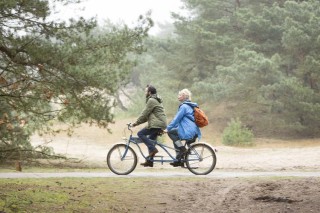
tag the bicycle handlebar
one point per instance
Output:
(129, 126)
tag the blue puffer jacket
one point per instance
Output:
(184, 121)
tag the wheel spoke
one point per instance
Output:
(121, 159)
(201, 159)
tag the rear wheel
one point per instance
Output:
(120, 161)
(200, 159)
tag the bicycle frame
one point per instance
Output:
(137, 141)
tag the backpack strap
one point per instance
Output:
(192, 119)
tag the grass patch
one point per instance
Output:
(65, 194)
(53, 170)
(57, 166)
(83, 194)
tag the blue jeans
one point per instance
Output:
(152, 133)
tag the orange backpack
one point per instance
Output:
(200, 117)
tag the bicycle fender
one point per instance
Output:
(118, 144)
(205, 143)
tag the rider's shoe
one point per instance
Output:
(177, 163)
(153, 153)
(182, 152)
(147, 164)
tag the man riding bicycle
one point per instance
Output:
(154, 114)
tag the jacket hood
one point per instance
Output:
(190, 103)
(155, 96)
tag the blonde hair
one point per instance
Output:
(186, 93)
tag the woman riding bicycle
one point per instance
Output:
(183, 127)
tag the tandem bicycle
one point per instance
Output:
(200, 158)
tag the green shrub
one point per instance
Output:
(237, 135)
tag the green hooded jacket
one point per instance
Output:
(153, 113)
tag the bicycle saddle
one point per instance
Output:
(192, 140)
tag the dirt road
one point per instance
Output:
(159, 174)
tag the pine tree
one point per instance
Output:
(63, 70)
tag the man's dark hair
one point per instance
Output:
(152, 89)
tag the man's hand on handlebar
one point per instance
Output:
(134, 124)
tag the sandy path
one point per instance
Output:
(257, 159)
(91, 145)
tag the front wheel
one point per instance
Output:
(200, 159)
(122, 159)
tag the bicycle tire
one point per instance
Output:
(200, 159)
(119, 165)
